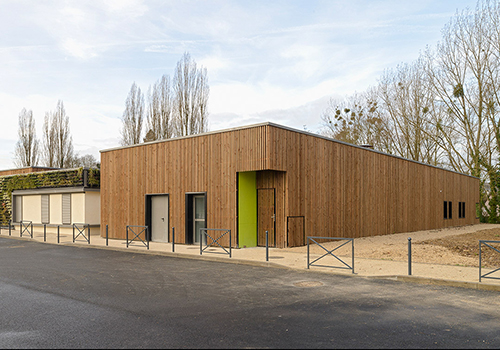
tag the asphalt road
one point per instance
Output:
(70, 297)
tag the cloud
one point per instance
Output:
(77, 49)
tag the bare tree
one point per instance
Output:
(190, 90)
(85, 161)
(133, 117)
(160, 123)
(57, 139)
(356, 119)
(408, 103)
(49, 141)
(26, 152)
(457, 76)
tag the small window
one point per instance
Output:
(66, 209)
(461, 210)
(45, 209)
(450, 210)
(445, 210)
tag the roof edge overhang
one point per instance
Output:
(54, 190)
(285, 128)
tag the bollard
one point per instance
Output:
(409, 256)
(267, 246)
(88, 231)
(201, 243)
(230, 245)
(106, 235)
(173, 239)
(10, 222)
(57, 233)
(45, 232)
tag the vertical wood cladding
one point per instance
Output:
(204, 163)
(340, 190)
(346, 191)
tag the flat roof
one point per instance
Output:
(286, 128)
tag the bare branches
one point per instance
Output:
(57, 139)
(26, 152)
(191, 92)
(160, 121)
(177, 108)
(133, 117)
(357, 120)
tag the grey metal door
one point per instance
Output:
(159, 218)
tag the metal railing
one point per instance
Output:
(204, 236)
(330, 252)
(80, 228)
(133, 229)
(26, 226)
(487, 275)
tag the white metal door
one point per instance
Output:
(159, 218)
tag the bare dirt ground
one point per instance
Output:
(458, 246)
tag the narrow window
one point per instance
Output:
(461, 210)
(66, 209)
(445, 211)
(45, 209)
(450, 210)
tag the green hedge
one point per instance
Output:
(51, 179)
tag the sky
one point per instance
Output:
(276, 61)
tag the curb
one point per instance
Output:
(397, 278)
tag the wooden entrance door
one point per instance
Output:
(266, 216)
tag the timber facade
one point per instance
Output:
(267, 177)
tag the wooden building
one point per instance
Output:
(269, 177)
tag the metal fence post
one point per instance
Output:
(147, 236)
(32, 230)
(127, 236)
(106, 235)
(58, 234)
(409, 256)
(73, 233)
(230, 245)
(307, 253)
(173, 239)
(45, 232)
(352, 242)
(479, 261)
(267, 246)
(88, 230)
(10, 224)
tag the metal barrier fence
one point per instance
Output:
(486, 275)
(330, 252)
(81, 232)
(204, 234)
(144, 229)
(26, 226)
